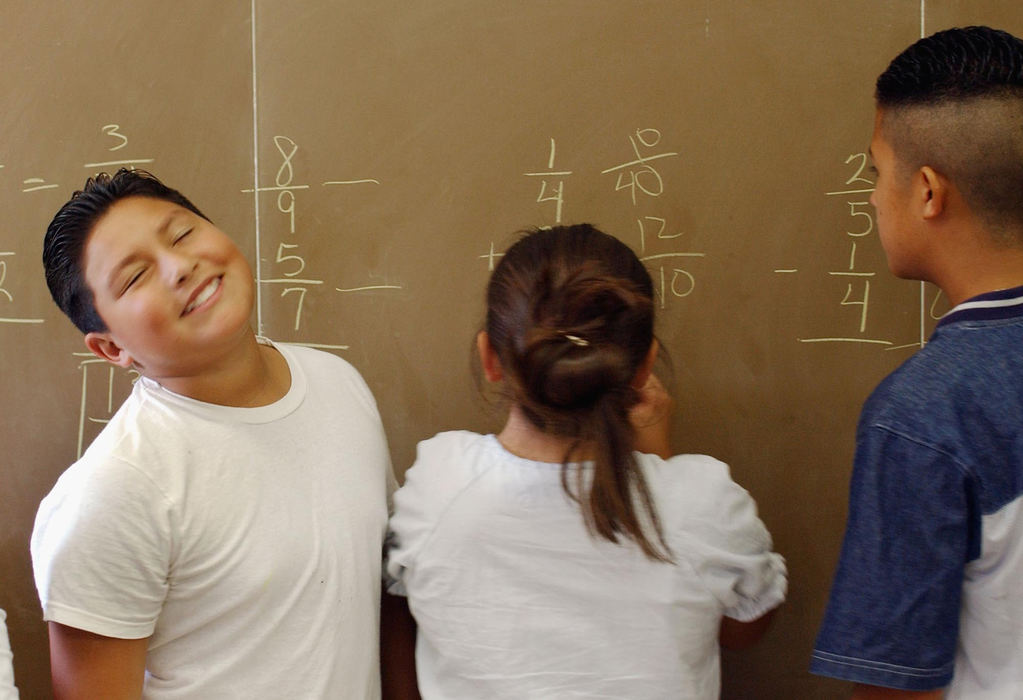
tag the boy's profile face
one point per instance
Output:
(892, 199)
(173, 289)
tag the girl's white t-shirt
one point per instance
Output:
(515, 599)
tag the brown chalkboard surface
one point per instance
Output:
(373, 159)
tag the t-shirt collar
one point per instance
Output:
(990, 306)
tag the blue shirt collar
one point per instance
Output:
(990, 306)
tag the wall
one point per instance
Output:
(373, 159)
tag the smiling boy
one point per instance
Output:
(926, 601)
(222, 536)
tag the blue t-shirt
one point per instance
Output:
(927, 582)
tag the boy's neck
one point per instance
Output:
(255, 375)
(984, 268)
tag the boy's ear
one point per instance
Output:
(647, 366)
(105, 348)
(934, 192)
(488, 358)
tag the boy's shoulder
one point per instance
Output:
(326, 373)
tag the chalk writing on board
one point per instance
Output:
(939, 305)
(290, 263)
(6, 297)
(491, 256)
(118, 141)
(556, 192)
(289, 257)
(35, 184)
(639, 174)
(104, 388)
(855, 192)
(643, 183)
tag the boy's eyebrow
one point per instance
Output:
(169, 219)
(161, 230)
(115, 271)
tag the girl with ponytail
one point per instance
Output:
(570, 555)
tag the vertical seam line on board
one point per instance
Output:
(923, 285)
(81, 409)
(255, 174)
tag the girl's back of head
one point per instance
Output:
(570, 315)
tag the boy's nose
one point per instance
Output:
(179, 268)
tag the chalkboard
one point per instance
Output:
(373, 159)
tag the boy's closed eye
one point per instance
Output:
(133, 278)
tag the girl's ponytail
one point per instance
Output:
(570, 315)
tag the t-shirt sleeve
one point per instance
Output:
(8, 691)
(893, 616)
(410, 524)
(431, 483)
(727, 543)
(101, 551)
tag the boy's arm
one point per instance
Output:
(873, 692)
(397, 649)
(86, 665)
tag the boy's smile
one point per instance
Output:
(174, 290)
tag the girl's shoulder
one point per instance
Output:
(447, 460)
(691, 472)
(692, 485)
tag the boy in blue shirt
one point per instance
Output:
(926, 598)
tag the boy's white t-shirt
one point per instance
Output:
(515, 599)
(245, 542)
(8, 691)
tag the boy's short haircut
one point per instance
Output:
(954, 101)
(64, 244)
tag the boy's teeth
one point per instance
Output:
(204, 294)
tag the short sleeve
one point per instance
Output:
(727, 544)
(893, 616)
(412, 519)
(432, 482)
(409, 527)
(101, 551)
(8, 691)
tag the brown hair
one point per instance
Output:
(570, 314)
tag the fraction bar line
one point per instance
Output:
(844, 340)
(674, 255)
(850, 191)
(290, 280)
(362, 289)
(276, 189)
(640, 161)
(108, 163)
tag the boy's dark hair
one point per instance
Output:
(954, 101)
(66, 236)
(570, 315)
(954, 65)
